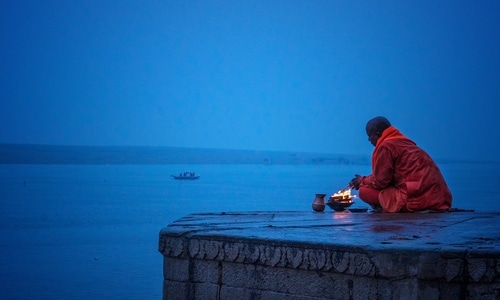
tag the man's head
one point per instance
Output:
(375, 127)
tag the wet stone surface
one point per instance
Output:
(460, 231)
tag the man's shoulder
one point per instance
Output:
(400, 146)
(399, 142)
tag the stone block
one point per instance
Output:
(206, 291)
(253, 276)
(176, 269)
(205, 271)
(483, 291)
(173, 290)
(268, 295)
(296, 281)
(395, 264)
(405, 289)
(450, 291)
(229, 293)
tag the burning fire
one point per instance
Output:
(342, 196)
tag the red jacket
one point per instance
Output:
(407, 177)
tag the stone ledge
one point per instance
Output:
(452, 254)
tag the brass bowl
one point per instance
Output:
(340, 205)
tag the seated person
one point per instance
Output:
(404, 177)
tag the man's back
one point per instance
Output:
(414, 169)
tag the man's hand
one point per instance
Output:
(354, 183)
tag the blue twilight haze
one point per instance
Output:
(266, 75)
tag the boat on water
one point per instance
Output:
(186, 176)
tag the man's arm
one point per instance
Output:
(383, 170)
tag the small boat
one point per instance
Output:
(186, 176)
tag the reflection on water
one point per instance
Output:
(338, 216)
(386, 228)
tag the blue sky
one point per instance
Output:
(261, 75)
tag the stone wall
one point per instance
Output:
(211, 265)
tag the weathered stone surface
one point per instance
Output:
(205, 271)
(174, 290)
(307, 255)
(176, 269)
(205, 291)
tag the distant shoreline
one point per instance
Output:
(58, 154)
(55, 154)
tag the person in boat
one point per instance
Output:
(404, 177)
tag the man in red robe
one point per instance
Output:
(404, 177)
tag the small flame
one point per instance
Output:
(343, 195)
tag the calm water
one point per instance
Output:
(91, 231)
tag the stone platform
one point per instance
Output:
(332, 255)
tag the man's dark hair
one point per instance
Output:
(377, 124)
